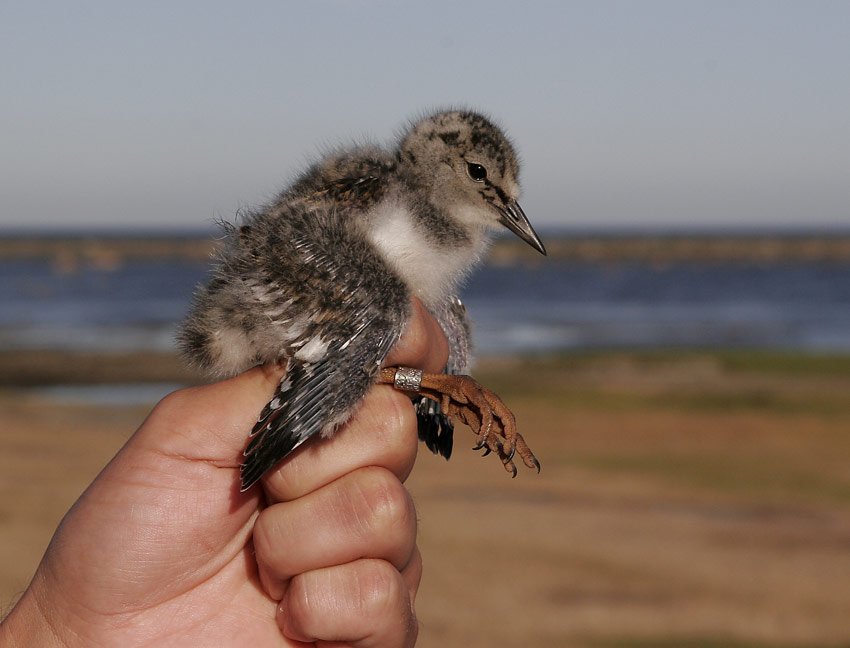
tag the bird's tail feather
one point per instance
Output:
(436, 430)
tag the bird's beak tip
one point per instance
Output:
(536, 243)
(515, 220)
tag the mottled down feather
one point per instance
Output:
(322, 278)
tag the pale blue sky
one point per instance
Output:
(626, 113)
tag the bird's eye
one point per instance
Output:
(476, 171)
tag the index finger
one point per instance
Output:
(422, 345)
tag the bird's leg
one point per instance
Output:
(478, 407)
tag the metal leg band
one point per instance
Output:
(407, 379)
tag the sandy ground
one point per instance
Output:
(684, 501)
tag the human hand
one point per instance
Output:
(163, 549)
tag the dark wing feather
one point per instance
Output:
(313, 397)
(354, 304)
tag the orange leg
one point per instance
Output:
(462, 397)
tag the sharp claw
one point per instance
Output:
(485, 413)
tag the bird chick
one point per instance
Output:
(322, 280)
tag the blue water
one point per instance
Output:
(800, 306)
(553, 306)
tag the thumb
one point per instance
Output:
(161, 512)
(209, 423)
(194, 438)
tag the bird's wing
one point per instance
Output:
(352, 313)
(312, 397)
(436, 430)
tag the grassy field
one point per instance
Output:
(692, 500)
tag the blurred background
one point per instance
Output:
(680, 362)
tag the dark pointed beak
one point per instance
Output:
(515, 220)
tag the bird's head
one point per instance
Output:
(472, 169)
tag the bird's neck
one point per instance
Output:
(430, 251)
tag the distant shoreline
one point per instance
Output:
(111, 248)
(42, 368)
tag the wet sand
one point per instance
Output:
(694, 500)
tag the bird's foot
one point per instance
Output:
(482, 410)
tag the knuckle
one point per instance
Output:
(175, 403)
(272, 546)
(423, 343)
(381, 591)
(262, 536)
(297, 611)
(415, 334)
(398, 418)
(385, 504)
(178, 412)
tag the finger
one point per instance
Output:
(381, 433)
(363, 603)
(422, 345)
(412, 573)
(364, 514)
(177, 476)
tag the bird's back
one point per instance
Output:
(297, 282)
(353, 178)
(297, 274)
